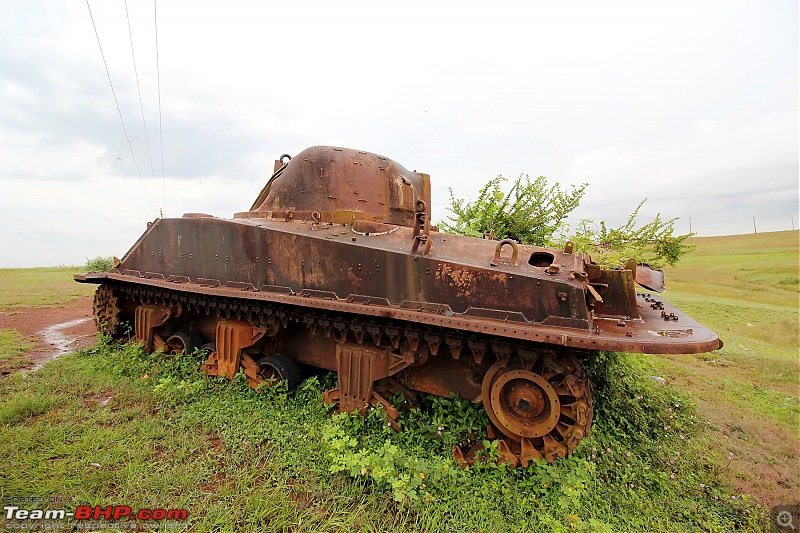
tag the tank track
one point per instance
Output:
(105, 309)
(509, 362)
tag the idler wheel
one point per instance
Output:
(521, 403)
(183, 343)
(278, 367)
(105, 309)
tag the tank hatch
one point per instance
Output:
(329, 184)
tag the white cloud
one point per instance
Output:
(723, 172)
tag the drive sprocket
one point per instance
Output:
(543, 407)
(106, 310)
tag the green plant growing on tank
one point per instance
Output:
(530, 212)
(535, 212)
(654, 243)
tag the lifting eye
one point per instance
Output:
(541, 259)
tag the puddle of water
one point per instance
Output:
(59, 342)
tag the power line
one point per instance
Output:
(160, 129)
(113, 92)
(141, 106)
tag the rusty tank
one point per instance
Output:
(337, 265)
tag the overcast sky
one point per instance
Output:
(693, 105)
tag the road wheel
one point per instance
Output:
(278, 367)
(183, 343)
(547, 407)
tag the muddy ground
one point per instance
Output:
(54, 330)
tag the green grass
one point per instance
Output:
(12, 349)
(166, 436)
(40, 287)
(745, 287)
(759, 268)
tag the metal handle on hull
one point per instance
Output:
(514, 252)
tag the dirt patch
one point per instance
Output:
(215, 442)
(58, 330)
(101, 399)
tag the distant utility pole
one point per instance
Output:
(792, 222)
(754, 226)
(690, 224)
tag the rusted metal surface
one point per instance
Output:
(232, 337)
(336, 265)
(650, 278)
(648, 333)
(148, 318)
(105, 309)
(360, 369)
(341, 185)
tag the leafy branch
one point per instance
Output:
(530, 212)
(535, 212)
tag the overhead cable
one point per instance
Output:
(113, 92)
(141, 105)
(160, 129)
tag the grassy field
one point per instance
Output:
(12, 350)
(746, 289)
(40, 287)
(111, 425)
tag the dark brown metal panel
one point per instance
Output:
(315, 350)
(292, 254)
(392, 265)
(442, 375)
(618, 292)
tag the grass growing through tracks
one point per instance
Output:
(166, 436)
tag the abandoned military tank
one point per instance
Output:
(337, 265)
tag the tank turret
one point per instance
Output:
(341, 185)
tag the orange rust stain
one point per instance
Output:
(462, 280)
